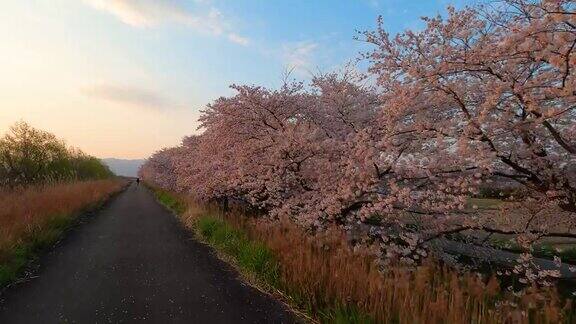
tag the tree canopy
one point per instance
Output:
(31, 156)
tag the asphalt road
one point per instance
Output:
(133, 262)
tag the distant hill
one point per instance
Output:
(122, 167)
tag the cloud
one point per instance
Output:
(152, 13)
(299, 56)
(132, 96)
(238, 39)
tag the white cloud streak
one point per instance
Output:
(152, 13)
(233, 37)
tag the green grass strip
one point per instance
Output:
(253, 257)
(170, 201)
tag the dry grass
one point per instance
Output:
(30, 210)
(335, 284)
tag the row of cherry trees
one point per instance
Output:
(487, 93)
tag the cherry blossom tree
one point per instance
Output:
(267, 145)
(486, 93)
(161, 169)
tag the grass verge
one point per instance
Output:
(34, 218)
(170, 201)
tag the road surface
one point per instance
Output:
(133, 262)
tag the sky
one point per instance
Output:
(124, 78)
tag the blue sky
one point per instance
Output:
(122, 78)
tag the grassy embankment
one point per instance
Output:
(34, 218)
(329, 282)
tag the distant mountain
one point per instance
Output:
(123, 167)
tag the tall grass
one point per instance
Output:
(324, 277)
(34, 217)
(330, 275)
(251, 256)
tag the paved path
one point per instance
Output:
(133, 263)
